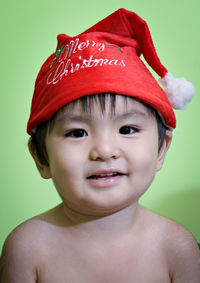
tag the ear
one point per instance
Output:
(164, 149)
(43, 169)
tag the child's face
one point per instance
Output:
(123, 146)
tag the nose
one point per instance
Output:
(104, 149)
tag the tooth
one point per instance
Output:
(104, 175)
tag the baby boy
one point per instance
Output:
(100, 127)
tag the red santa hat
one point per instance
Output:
(106, 59)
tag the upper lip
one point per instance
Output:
(107, 171)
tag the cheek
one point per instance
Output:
(144, 161)
(143, 173)
(148, 158)
(63, 168)
(66, 167)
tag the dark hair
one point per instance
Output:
(37, 141)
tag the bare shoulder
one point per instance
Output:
(180, 248)
(19, 257)
(31, 234)
(23, 249)
(183, 254)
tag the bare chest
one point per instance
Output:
(88, 265)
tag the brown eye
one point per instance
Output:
(127, 130)
(77, 133)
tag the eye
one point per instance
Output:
(76, 133)
(127, 130)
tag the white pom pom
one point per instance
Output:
(178, 90)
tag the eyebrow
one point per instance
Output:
(139, 114)
(70, 117)
(87, 118)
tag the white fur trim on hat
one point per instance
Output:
(178, 90)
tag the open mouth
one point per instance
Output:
(105, 176)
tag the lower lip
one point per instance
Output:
(106, 182)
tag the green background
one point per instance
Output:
(28, 37)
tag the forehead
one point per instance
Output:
(108, 106)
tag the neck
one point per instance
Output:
(104, 227)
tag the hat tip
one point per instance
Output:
(179, 90)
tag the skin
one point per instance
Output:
(100, 233)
